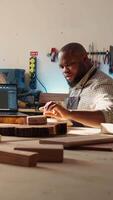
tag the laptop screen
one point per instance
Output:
(8, 97)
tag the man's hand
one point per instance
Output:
(51, 109)
(87, 118)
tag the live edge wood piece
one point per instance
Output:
(34, 131)
(14, 157)
(47, 153)
(46, 130)
(27, 131)
(7, 130)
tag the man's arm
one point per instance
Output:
(87, 118)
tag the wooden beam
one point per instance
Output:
(14, 157)
(47, 153)
(74, 141)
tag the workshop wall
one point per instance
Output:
(27, 25)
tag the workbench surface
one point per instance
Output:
(82, 175)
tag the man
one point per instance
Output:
(90, 99)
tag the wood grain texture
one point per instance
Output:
(14, 157)
(31, 120)
(13, 119)
(46, 130)
(35, 131)
(7, 130)
(98, 147)
(47, 153)
(36, 120)
(74, 141)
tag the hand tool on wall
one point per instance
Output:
(106, 58)
(53, 54)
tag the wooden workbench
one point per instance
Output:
(82, 175)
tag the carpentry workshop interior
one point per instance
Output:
(56, 100)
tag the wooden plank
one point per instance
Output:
(14, 157)
(98, 147)
(6, 139)
(74, 141)
(31, 120)
(13, 119)
(47, 153)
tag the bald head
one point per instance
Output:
(75, 49)
(74, 62)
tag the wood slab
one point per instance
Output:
(13, 119)
(74, 141)
(46, 130)
(14, 157)
(35, 131)
(31, 120)
(7, 130)
(47, 153)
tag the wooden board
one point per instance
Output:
(14, 157)
(13, 119)
(47, 153)
(74, 141)
(98, 147)
(47, 130)
(31, 120)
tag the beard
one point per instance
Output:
(80, 74)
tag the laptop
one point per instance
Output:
(8, 100)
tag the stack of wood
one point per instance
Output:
(30, 155)
(30, 126)
(30, 120)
